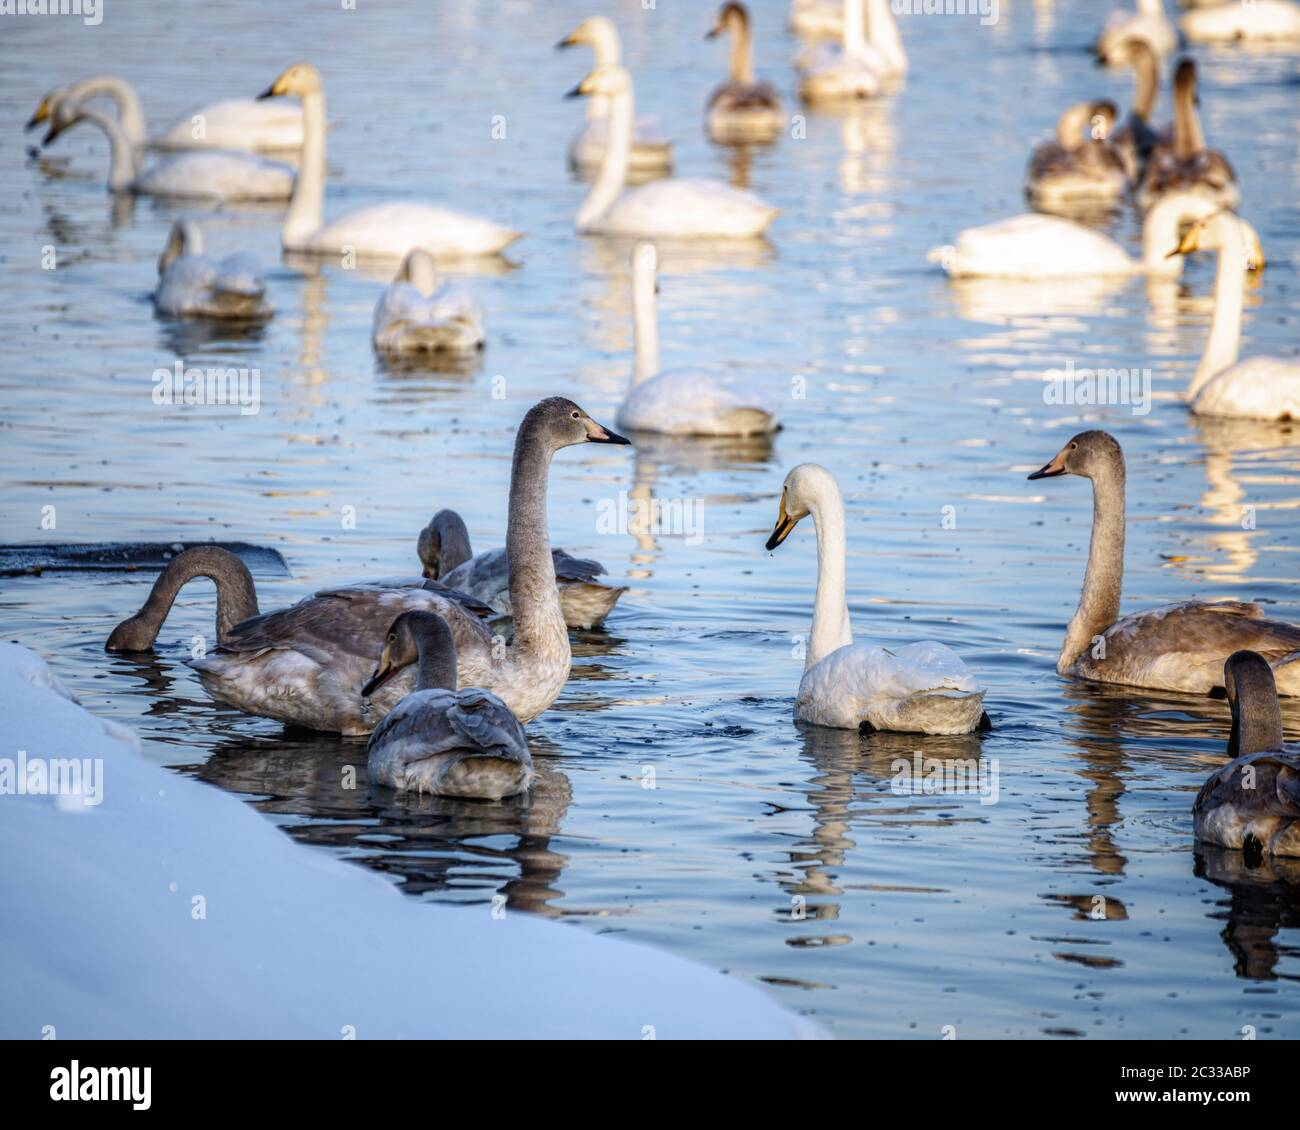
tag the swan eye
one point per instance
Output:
(576, 416)
(1073, 446)
(392, 638)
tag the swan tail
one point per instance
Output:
(586, 604)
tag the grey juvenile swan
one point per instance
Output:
(1176, 647)
(440, 740)
(1253, 803)
(446, 556)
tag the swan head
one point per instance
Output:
(732, 17)
(63, 115)
(606, 81)
(1104, 114)
(185, 238)
(300, 79)
(598, 33)
(443, 544)
(1086, 454)
(1212, 227)
(1252, 695)
(803, 491)
(557, 422)
(406, 635)
(418, 270)
(1185, 78)
(44, 110)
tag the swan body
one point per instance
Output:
(381, 230)
(817, 19)
(415, 315)
(670, 208)
(1176, 647)
(440, 740)
(919, 688)
(1252, 804)
(1149, 23)
(651, 151)
(1071, 169)
(742, 109)
(680, 402)
(445, 554)
(1259, 388)
(1261, 21)
(191, 283)
(868, 58)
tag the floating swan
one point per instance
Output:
(1186, 164)
(919, 688)
(1176, 647)
(1148, 23)
(220, 174)
(1137, 137)
(1260, 388)
(233, 123)
(869, 56)
(680, 402)
(817, 19)
(1034, 246)
(1075, 168)
(440, 740)
(446, 556)
(1247, 21)
(741, 109)
(671, 208)
(191, 283)
(651, 152)
(1252, 804)
(415, 315)
(388, 230)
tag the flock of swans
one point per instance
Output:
(417, 665)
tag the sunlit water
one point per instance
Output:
(775, 852)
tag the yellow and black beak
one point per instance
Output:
(269, 92)
(1052, 469)
(383, 673)
(1189, 243)
(55, 129)
(42, 115)
(567, 41)
(713, 32)
(784, 524)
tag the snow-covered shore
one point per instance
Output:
(172, 909)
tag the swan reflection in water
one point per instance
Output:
(1262, 900)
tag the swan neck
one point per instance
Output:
(1160, 235)
(854, 38)
(236, 595)
(741, 64)
(1229, 296)
(130, 115)
(124, 160)
(831, 629)
(882, 31)
(1256, 714)
(613, 165)
(1104, 577)
(436, 648)
(534, 598)
(1148, 85)
(305, 214)
(1188, 138)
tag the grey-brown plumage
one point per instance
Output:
(1253, 803)
(1177, 647)
(1081, 163)
(742, 109)
(440, 740)
(1137, 136)
(1187, 164)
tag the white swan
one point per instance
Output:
(1034, 246)
(387, 230)
(233, 123)
(1075, 168)
(868, 57)
(679, 402)
(817, 19)
(1148, 23)
(415, 315)
(191, 283)
(217, 174)
(742, 109)
(671, 208)
(1258, 21)
(1259, 388)
(919, 688)
(652, 151)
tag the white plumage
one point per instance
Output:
(191, 283)
(416, 315)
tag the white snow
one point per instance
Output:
(101, 937)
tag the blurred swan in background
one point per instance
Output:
(191, 283)
(389, 230)
(416, 315)
(1137, 137)
(868, 57)
(1081, 164)
(651, 152)
(1148, 23)
(1259, 21)
(741, 109)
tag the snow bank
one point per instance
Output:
(172, 909)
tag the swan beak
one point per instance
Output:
(713, 32)
(272, 91)
(53, 132)
(1052, 469)
(604, 435)
(781, 531)
(576, 92)
(42, 115)
(1187, 244)
(567, 41)
(383, 673)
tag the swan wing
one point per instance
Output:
(237, 123)
(689, 207)
(1259, 388)
(393, 229)
(694, 402)
(1034, 245)
(218, 173)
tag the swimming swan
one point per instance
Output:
(440, 740)
(220, 174)
(1035, 246)
(1148, 23)
(1186, 164)
(233, 123)
(1250, 21)
(1252, 804)
(868, 57)
(742, 109)
(1075, 167)
(1176, 647)
(445, 555)
(1258, 388)
(918, 688)
(680, 402)
(670, 208)
(1137, 137)
(387, 230)
(415, 315)
(651, 152)
(191, 283)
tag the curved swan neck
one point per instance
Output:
(740, 66)
(236, 595)
(831, 629)
(1188, 138)
(1160, 235)
(534, 598)
(645, 327)
(124, 162)
(854, 38)
(185, 238)
(1148, 81)
(130, 116)
(1229, 296)
(1104, 577)
(883, 33)
(613, 166)
(605, 46)
(1069, 126)
(1256, 713)
(436, 648)
(306, 214)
